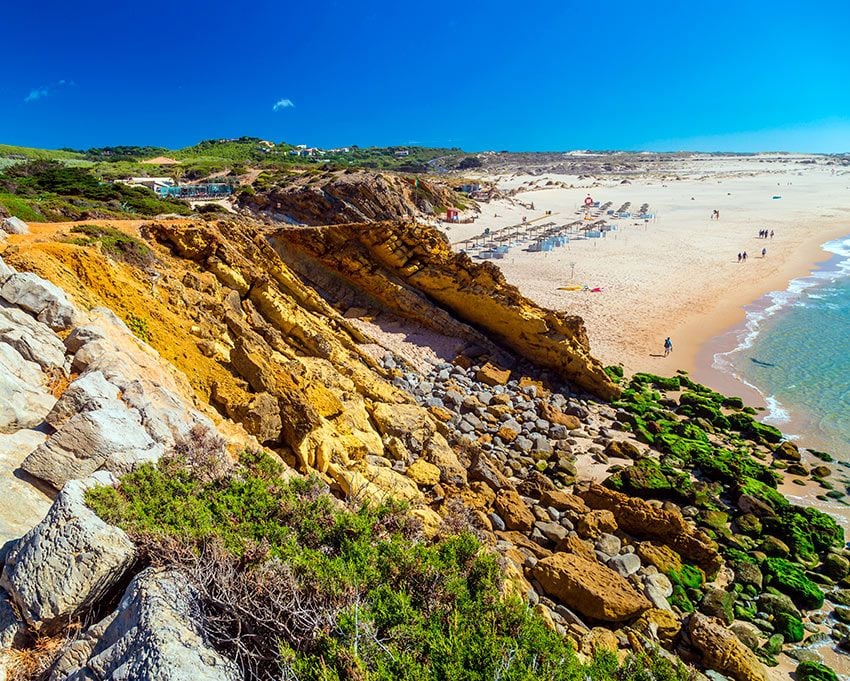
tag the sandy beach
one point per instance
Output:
(676, 275)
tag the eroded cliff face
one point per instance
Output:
(337, 197)
(412, 270)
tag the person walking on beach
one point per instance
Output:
(744, 256)
(739, 257)
(668, 346)
(771, 233)
(763, 252)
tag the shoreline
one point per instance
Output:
(717, 331)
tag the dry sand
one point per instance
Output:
(677, 275)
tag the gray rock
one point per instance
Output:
(44, 300)
(112, 438)
(608, 544)
(552, 531)
(497, 522)
(32, 339)
(89, 392)
(14, 225)
(11, 626)
(625, 565)
(154, 635)
(6, 271)
(23, 402)
(660, 583)
(67, 562)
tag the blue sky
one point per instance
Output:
(541, 75)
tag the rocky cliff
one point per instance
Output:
(235, 336)
(411, 268)
(334, 197)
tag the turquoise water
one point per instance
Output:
(795, 350)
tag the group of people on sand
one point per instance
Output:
(765, 234)
(742, 257)
(715, 214)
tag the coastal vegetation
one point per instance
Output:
(44, 190)
(335, 591)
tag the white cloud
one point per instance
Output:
(36, 94)
(282, 104)
(46, 90)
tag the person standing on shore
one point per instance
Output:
(763, 252)
(668, 346)
(744, 256)
(739, 257)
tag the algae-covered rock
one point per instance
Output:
(790, 578)
(789, 626)
(814, 671)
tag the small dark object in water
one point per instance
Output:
(760, 363)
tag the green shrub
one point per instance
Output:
(393, 605)
(114, 242)
(139, 327)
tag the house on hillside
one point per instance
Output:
(401, 153)
(155, 184)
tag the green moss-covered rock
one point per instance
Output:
(807, 531)
(660, 382)
(775, 604)
(788, 451)
(749, 524)
(689, 576)
(716, 520)
(679, 599)
(774, 644)
(773, 546)
(790, 579)
(814, 671)
(718, 603)
(835, 566)
(790, 627)
(764, 492)
(748, 573)
(754, 430)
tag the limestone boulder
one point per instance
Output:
(423, 473)
(723, 651)
(24, 403)
(44, 300)
(373, 484)
(112, 438)
(595, 523)
(641, 519)
(155, 634)
(6, 271)
(589, 587)
(14, 225)
(409, 422)
(161, 394)
(67, 562)
(491, 375)
(89, 392)
(12, 627)
(513, 510)
(34, 340)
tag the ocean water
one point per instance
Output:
(795, 350)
